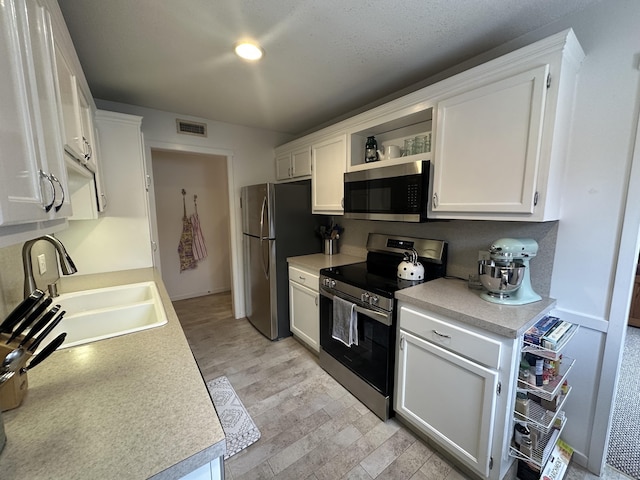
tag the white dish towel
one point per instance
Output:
(345, 322)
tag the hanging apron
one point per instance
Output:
(199, 247)
(185, 247)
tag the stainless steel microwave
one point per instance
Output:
(397, 193)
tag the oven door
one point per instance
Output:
(373, 358)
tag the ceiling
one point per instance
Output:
(323, 58)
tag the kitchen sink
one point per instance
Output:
(101, 313)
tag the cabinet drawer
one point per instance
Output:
(304, 277)
(482, 349)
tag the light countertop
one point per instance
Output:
(318, 261)
(134, 406)
(452, 298)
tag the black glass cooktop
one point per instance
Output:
(378, 274)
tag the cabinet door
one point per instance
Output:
(301, 162)
(50, 132)
(304, 314)
(448, 397)
(283, 166)
(487, 147)
(72, 122)
(329, 160)
(29, 120)
(86, 123)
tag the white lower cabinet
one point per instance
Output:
(449, 387)
(303, 306)
(210, 471)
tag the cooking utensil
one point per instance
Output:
(42, 355)
(40, 325)
(21, 310)
(30, 319)
(500, 280)
(46, 332)
(12, 360)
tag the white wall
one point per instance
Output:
(250, 154)
(206, 177)
(588, 246)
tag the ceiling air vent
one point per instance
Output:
(191, 128)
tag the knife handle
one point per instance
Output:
(21, 310)
(46, 332)
(45, 352)
(40, 324)
(30, 319)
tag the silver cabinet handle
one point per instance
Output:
(441, 334)
(316, 300)
(49, 206)
(59, 206)
(104, 200)
(435, 200)
(302, 278)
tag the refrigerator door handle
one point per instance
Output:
(265, 265)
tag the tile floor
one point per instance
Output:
(312, 428)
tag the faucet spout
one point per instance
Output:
(66, 263)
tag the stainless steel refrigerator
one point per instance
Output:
(276, 223)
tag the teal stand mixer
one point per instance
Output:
(506, 276)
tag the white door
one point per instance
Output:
(304, 314)
(487, 146)
(301, 162)
(329, 161)
(448, 397)
(283, 166)
(29, 122)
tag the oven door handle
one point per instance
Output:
(384, 318)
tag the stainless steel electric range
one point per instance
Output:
(366, 367)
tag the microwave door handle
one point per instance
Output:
(265, 265)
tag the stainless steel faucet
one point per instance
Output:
(66, 264)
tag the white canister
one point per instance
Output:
(391, 151)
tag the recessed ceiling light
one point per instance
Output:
(249, 51)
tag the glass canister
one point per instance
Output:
(418, 144)
(408, 147)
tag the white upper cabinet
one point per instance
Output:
(488, 146)
(293, 164)
(501, 135)
(33, 181)
(328, 159)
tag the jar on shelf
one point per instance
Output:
(408, 147)
(371, 150)
(522, 405)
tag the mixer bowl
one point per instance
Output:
(500, 280)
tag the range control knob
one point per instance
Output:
(365, 297)
(328, 282)
(373, 300)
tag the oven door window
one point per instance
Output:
(372, 358)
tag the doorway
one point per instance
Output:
(203, 179)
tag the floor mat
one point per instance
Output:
(239, 429)
(624, 448)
